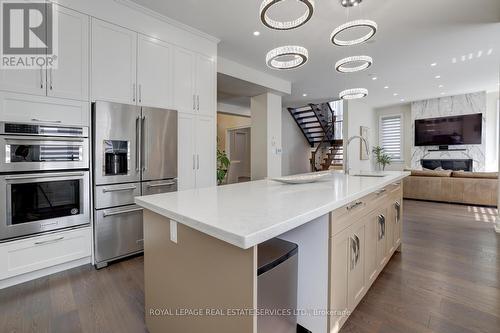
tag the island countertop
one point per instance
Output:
(247, 214)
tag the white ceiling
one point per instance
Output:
(412, 34)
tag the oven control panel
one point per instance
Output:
(42, 130)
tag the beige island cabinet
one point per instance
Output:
(201, 249)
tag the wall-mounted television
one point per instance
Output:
(447, 131)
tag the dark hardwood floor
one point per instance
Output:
(447, 279)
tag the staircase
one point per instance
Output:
(322, 128)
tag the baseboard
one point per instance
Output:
(43, 272)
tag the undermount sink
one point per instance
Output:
(370, 174)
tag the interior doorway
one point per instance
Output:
(238, 142)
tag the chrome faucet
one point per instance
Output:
(346, 152)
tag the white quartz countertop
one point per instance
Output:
(247, 214)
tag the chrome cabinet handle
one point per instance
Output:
(194, 162)
(354, 205)
(137, 148)
(161, 185)
(352, 252)
(357, 253)
(51, 78)
(133, 92)
(144, 143)
(52, 175)
(46, 121)
(41, 77)
(122, 189)
(198, 102)
(197, 161)
(140, 93)
(396, 184)
(50, 241)
(121, 212)
(381, 222)
(379, 192)
(398, 211)
(194, 102)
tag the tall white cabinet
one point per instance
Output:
(71, 77)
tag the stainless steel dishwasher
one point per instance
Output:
(277, 286)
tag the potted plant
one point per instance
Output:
(222, 166)
(382, 158)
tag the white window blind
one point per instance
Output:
(391, 136)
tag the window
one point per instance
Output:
(391, 135)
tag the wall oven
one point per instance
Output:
(32, 147)
(40, 202)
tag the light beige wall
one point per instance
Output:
(405, 111)
(225, 121)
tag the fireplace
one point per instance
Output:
(455, 165)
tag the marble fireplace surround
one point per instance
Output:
(450, 106)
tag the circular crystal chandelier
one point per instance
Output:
(348, 65)
(285, 25)
(350, 3)
(353, 25)
(353, 93)
(287, 57)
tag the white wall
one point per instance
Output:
(405, 111)
(492, 139)
(266, 136)
(296, 149)
(359, 113)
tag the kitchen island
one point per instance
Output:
(201, 249)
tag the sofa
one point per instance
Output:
(472, 188)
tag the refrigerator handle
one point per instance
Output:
(143, 144)
(137, 141)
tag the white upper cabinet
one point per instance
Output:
(186, 159)
(29, 81)
(71, 78)
(154, 73)
(205, 85)
(114, 55)
(184, 78)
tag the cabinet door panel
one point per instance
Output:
(113, 63)
(184, 80)
(339, 266)
(186, 163)
(71, 78)
(154, 73)
(205, 152)
(205, 85)
(356, 277)
(398, 228)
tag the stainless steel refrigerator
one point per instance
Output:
(134, 153)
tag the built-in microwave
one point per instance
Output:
(32, 147)
(35, 203)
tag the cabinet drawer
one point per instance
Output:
(41, 109)
(346, 215)
(28, 255)
(116, 195)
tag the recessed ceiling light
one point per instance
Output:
(437, 76)
(304, 95)
(471, 56)
(386, 87)
(490, 51)
(479, 53)
(454, 60)
(463, 58)
(395, 94)
(374, 78)
(434, 64)
(402, 99)
(256, 33)
(441, 86)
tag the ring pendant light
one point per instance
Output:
(285, 25)
(298, 54)
(346, 65)
(353, 25)
(353, 93)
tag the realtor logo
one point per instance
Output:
(28, 36)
